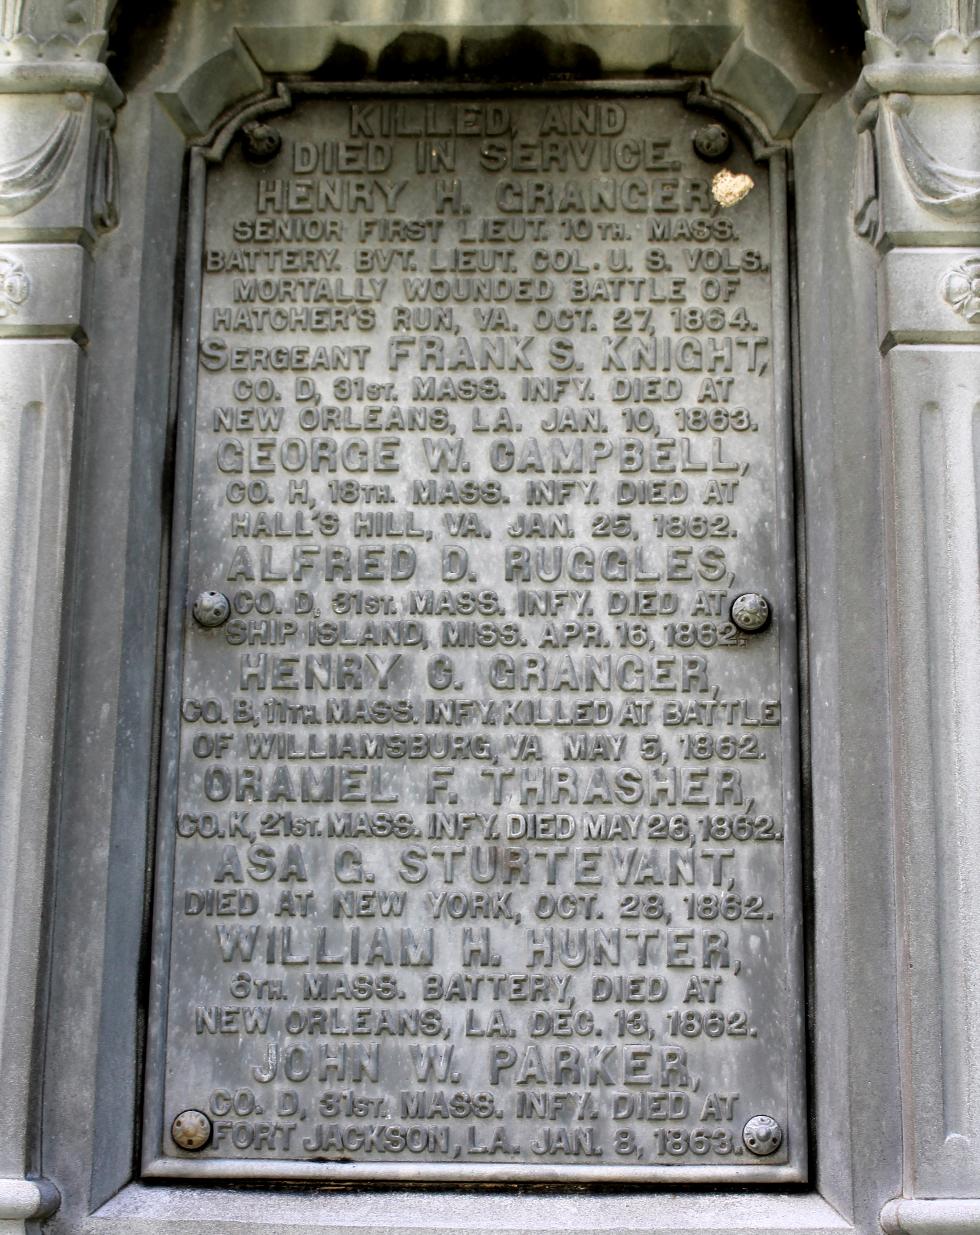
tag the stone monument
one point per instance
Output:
(489, 625)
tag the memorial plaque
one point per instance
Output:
(479, 830)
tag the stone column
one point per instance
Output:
(57, 192)
(917, 198)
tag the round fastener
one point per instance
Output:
(191, 1130)
(260, 142)
(712, 142)
(762, 1135)
(211, 608)
(751, 612)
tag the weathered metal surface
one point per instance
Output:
(480, 836)
(750, 612)
(191, 1130)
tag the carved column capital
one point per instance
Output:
(904, 19)
(59, 101)
(920, 47)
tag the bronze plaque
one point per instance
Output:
(479, 827)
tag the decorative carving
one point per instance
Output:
(867, 216)
(15, 286)
(936, 185)
(58, 49)
(11, 12)
(949, 46)
(961, 288)
(26, 181)
(75, 34)
(105, 209)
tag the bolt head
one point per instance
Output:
(751, 612)
(211, 608)
(191, 1130)
(261, 142)
(712, 142)
(762, 1135)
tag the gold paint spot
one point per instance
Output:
(728, 188)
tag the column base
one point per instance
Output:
(947, 1216)
(27, 1198)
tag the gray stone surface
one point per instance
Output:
(887, 529)
(44, 181)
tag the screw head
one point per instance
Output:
(211, 608)
(751, 612)
(712, 142)
(260, 141)
(762, 1135)
(191, 1130)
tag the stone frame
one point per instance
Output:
(82, 1127)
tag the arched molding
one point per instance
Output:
(755, 68)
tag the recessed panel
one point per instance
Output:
(479, 829)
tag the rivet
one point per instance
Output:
(712, 142)
(260, 141)
(211, 608)
(191, 1130)
(751, 612)
(762, 1135)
